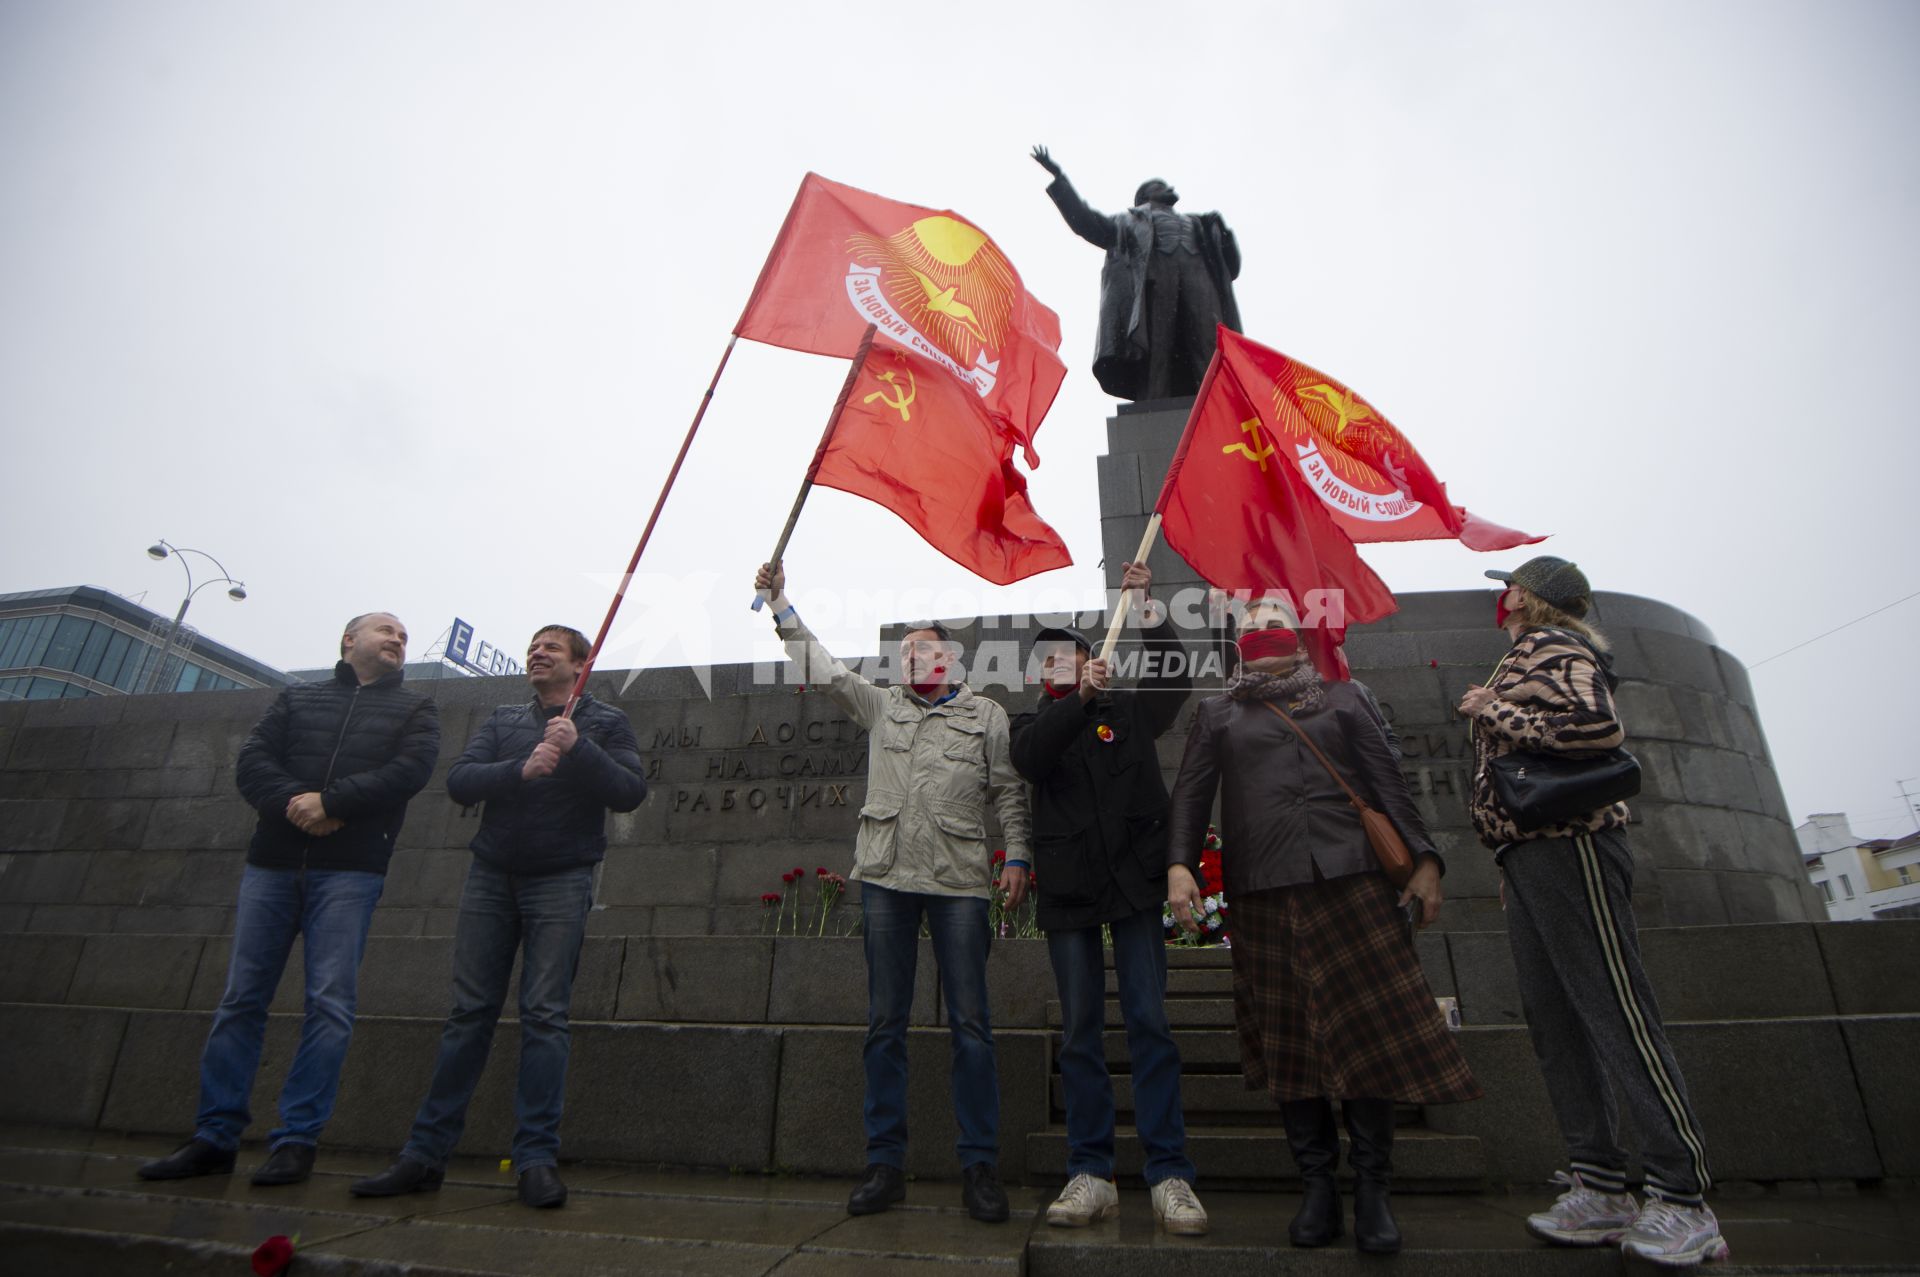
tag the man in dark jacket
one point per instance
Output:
(548, 782)
(330, 769)
(1100, 846)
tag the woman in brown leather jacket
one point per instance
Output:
(1328, 995)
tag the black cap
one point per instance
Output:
(1555, 580)
(1073, 636)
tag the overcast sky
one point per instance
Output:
(407, 305)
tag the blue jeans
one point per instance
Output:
(331, 909)
(545, 916)
(892, 938)
(1140, 965)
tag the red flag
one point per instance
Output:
(1245, 519)
(927, 279)
(912, 438)
(1368, 473)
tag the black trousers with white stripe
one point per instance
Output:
(1592, 1015)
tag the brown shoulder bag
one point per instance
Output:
(1388, 846)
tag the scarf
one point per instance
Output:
(1302, 690)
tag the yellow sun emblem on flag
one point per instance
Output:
(1352, 436)
(949, 279)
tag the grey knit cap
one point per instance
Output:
(1555, 580)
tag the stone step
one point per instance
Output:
(1201, 1095)
(1248, 1157)
(1470, 1235)
(84, 1210)
(1199, 1049)
(1182, 1013)
(1183, 981)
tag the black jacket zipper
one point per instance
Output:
(306, 847)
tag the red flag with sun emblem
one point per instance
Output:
(1368, 473)
(916, 440)
(928, 280)
(1245, 520)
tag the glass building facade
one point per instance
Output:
(86, 641)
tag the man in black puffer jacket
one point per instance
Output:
(548, 783)
(330, 769)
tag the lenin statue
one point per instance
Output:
(1167, 283)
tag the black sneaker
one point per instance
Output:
(287, 1164)
(404, 1176)
(980, 1191)
(195, 1157)
(883, 1186)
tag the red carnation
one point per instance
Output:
(821, 872)
(787, 878)
(272, 1256)
(999, 857)
(1433, 665)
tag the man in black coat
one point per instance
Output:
(330, 769)
(548, 782)
(1100, 859)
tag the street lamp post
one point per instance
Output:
(237, 591)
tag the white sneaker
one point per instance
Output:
(1178, 1210)
(1086, 1199)
(1584, 1216)
(1675, 1236)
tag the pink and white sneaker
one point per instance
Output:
(1675, 1236)
(1583, 1215)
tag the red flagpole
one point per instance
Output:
(580, 684)
(819, 453)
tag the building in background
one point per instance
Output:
(86, 641)
(454, 653)
(1860, 881)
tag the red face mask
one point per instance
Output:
(1257, 645)
(1501, 612)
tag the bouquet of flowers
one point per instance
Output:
(1212, 912)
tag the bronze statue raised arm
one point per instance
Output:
(1167, 283)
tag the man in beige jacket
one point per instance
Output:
(937, 758)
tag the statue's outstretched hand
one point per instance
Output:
(1045, 161)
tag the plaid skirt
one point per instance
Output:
(1330, 1001)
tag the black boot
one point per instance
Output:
(1370, 1127)
(1316, 1151)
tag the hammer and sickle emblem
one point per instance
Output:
(1258, 452)
(902, 396)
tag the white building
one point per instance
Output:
(1860, 881)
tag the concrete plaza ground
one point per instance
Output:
(71, 1203)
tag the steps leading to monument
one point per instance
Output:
(1248, 1157)
(1182, 1012)
(1233, 1134)
(70, 1203)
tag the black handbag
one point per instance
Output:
(1540, 789)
